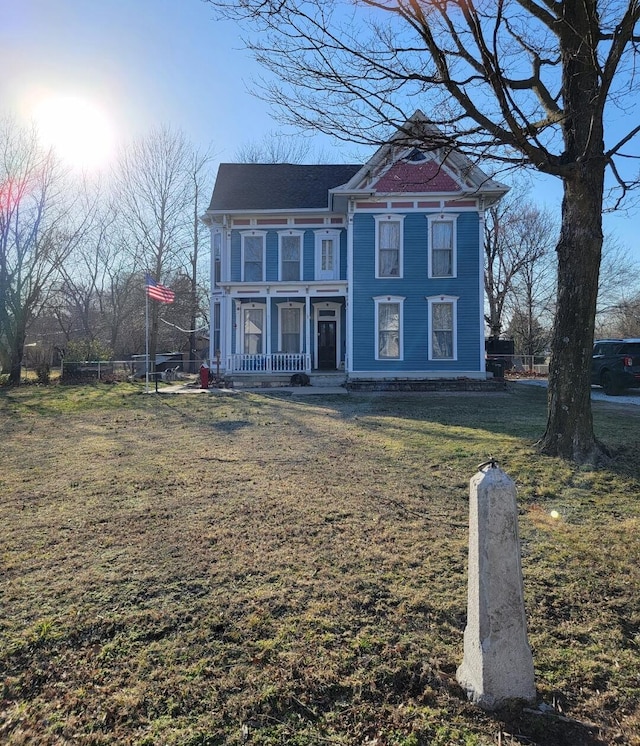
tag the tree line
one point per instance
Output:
(75, 253)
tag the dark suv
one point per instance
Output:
(616, 364)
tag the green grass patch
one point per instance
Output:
(292, 570)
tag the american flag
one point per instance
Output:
(159, 292)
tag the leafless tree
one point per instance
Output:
(275, 147)
(524, 82)
(153, 198)
(532, 297)
(518, 237)
(621, 319)
(38, 232)
(200, 178)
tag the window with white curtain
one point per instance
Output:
(442, 328)
(253, 257)
(253, 328)
(442, 246)
(291, 328)
(389, 245)
(290, 257)
(388, 327)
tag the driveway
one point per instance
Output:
(630, 396)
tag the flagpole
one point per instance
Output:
(146, 338)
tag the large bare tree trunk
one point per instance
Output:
(569, 431)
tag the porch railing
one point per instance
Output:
(276, 362)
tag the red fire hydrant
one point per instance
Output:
(204, 376)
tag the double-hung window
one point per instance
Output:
(442, 245)
(290, 256)
(442, 328)
(253, 256)
(389, 239)
(290, 327)
(216, 256)
(253, 329)
(327, 254)
(388, 327)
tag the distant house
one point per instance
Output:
(373, 270)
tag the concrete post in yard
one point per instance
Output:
(497, 664)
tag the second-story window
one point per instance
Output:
(253, 257)
(217, 257)
(442, 246)
(327, 254)
(388, 245)
(290, 256)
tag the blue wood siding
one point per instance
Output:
(272, 256)
(415, 286)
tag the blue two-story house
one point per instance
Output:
(372, 270)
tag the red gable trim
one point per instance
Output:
(416, 177)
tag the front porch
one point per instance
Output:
(275, 362)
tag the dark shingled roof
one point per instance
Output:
(276, 186)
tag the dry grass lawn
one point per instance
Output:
(271, 569)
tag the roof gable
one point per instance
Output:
(418, 159)
(411, 177)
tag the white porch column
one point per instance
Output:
(308, 346)
(348, 363)
(267, 322)
(237, 308)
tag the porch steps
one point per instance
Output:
(331, 378)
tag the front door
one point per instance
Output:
(326, 345)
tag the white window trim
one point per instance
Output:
(241, 308)
(301, 306)
(378, 300)
(443, 217)
(217, 237)
(453, 300)
(281, 234)
(321, 235)
(389, 217)
(244, 235)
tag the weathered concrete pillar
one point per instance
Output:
(497, 664)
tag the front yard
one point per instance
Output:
(273, 569)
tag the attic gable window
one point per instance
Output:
(416, 156)
(253, 265)
(389, 240)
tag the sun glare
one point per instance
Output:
(78, 130)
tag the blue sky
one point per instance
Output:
(150, 62)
